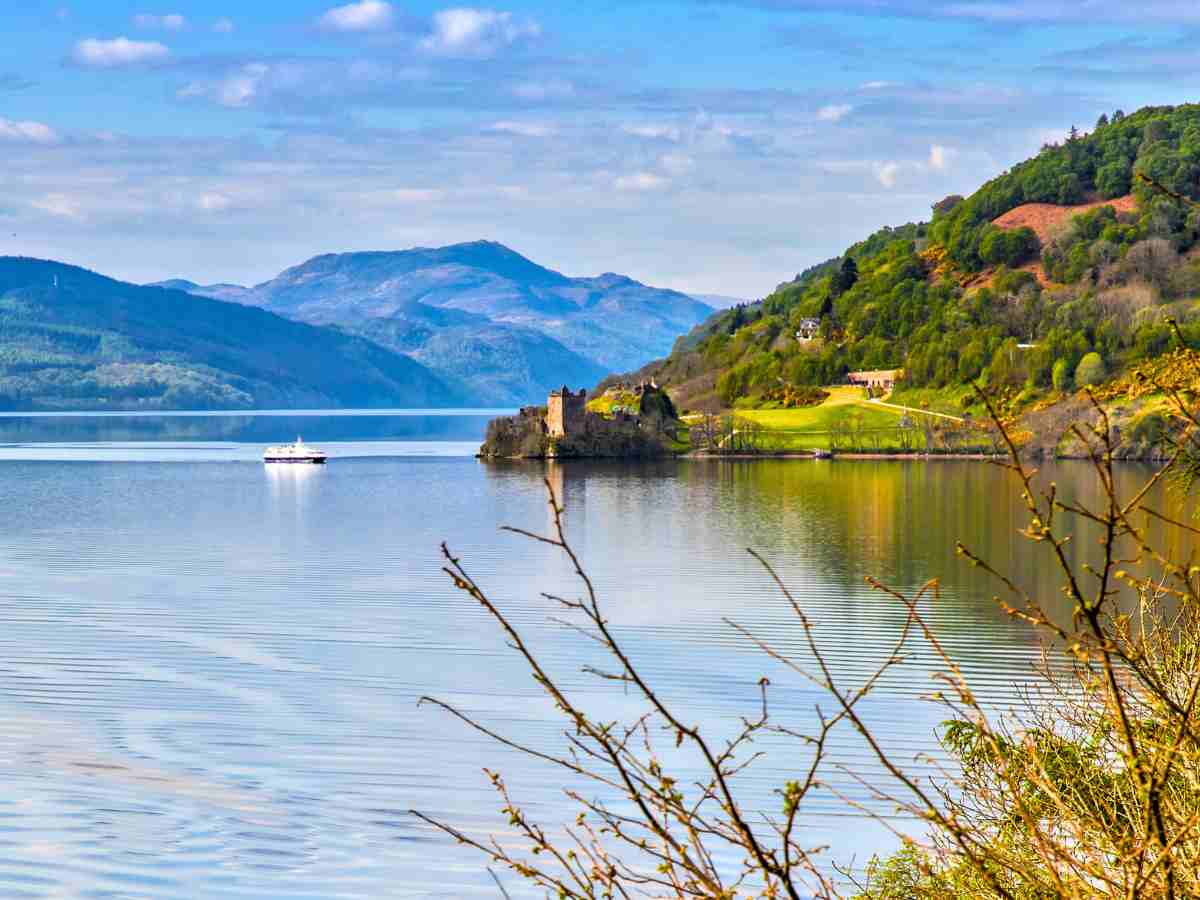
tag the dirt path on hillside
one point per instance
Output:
(913, 409)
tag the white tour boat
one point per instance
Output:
(298, 452)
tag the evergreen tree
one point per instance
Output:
(844, 278)
(738, 319)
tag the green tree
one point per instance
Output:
(1007, 366)
(1070, 189)
(1156, 130)
(1010, 248)
(845, 277)
(1061, 376)
(1113, 179)
(738, 319)
(1090, 370)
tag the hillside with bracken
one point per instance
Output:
(1065, 272)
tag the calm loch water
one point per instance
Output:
(209, 668)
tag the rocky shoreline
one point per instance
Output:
(567, 429)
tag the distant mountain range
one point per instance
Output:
(480, 316)
(72, 339)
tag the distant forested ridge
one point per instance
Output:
(72, 339)
(1087, 262)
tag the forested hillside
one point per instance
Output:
(962, 298)
(72, 339)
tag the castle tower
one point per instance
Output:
(565, 411)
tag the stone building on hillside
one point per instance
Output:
(885, 379)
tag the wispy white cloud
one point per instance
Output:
(465, 31)
(940, 157)
(168, 22)
(110, 54)
(652, 131)
(214, 202)
(367, 15)
(640, 181)
(236, 90)
(676, 163)
(834, 112)
(408, 196)
(27, 132)
(524, 129)
(886, 173)
(63, 206)
(550, 89)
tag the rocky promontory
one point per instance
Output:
(625, 422)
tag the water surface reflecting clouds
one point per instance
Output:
(209, 667)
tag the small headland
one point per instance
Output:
(625, 422)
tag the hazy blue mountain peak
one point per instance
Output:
(481, 314)
(485, 256)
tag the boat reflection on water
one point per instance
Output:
(291, 483)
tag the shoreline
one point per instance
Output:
(851, 457)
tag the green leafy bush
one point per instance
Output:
(1090, 370)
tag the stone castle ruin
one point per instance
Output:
(565, 427)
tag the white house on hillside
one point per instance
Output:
(808, 329)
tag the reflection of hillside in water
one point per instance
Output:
(241, 428)
(826, 526)
(201, 626)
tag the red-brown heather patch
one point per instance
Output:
(1047, 219)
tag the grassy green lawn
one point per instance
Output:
(944, 400)
(808, 428)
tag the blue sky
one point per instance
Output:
(708, 146)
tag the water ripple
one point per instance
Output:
(209, 673)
